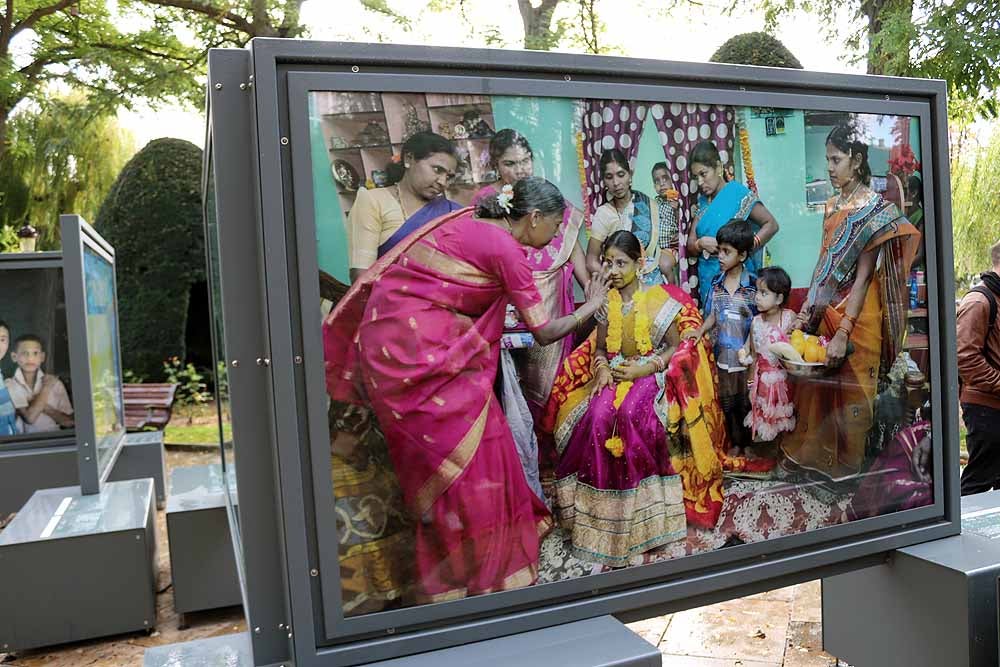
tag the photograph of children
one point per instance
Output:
(645, 335)
(34, 358)
(41, 400)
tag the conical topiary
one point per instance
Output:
(153, 218)
(755, 48)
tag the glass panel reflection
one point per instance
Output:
(592, 334)
(104, 355)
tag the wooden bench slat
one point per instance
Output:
(148, 405)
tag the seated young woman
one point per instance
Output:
(638, 426)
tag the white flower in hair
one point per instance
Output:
(505, 197)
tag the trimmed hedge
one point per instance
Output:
(755, 48)
(153, 218)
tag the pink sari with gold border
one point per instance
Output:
(552, 267)
(417, 339)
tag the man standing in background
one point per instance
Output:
(979, 375)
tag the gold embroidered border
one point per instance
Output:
(450, 266)
(453, 464)
(535, 316)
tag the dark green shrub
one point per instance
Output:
(755, 48)
(152, 217)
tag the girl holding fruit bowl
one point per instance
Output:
(856, 298)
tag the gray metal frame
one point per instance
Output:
(35, 441)
(282, 249)
(259, 542)
(77, 234)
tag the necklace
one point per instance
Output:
(841, 200)
(399, 199)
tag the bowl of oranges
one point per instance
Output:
(803, 356)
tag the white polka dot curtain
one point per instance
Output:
(681, 127)
(608, 124)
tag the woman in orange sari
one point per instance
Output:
(857, 295)
(417, 338)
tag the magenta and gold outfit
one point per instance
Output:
(417, 339)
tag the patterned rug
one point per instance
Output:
(754, 510)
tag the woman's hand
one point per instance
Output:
(836, 349)
(709, 245)
(691, 334)
(744, 356)
(630, 370)
(800, 322)
(597, 289)
(602, 379)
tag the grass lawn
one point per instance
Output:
(195, 425)
(194, 434)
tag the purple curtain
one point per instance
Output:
(681, 127)
(608, 124)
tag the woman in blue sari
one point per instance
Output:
(383, 217)
(718, 203)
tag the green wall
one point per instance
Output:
(548, 125)
(779, 164)
(331, 234)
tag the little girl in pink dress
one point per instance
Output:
(771, 410)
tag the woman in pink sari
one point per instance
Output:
(417, 338)
(554, 266)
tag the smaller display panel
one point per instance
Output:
(104, 356)
(35, 389)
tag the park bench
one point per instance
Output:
(148, 405)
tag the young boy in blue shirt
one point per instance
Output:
(730, 310)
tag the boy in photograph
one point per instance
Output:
(41, 400)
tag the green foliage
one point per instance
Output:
(8, 239)
(955, 41)
(975, 184)
(153, 218)
(83, 46)
(220, 23)
(222, 380)
(755, 48)
(131, 377)
(62, 157)
(191, 388)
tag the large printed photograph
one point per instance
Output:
(566, 336)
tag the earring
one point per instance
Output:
(406, 165)
(534, 224)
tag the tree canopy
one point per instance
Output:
(63, 156)
(83, 46)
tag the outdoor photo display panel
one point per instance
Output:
(104, 356)
(34, 357)
(759, 368)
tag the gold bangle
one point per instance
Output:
(579, 320)
(847, 332)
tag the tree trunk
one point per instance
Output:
(538, 35)
(879, 60)
(4, 118)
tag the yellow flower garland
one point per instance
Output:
(615, 445)
(616, 319)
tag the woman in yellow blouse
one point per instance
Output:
(382, 217)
